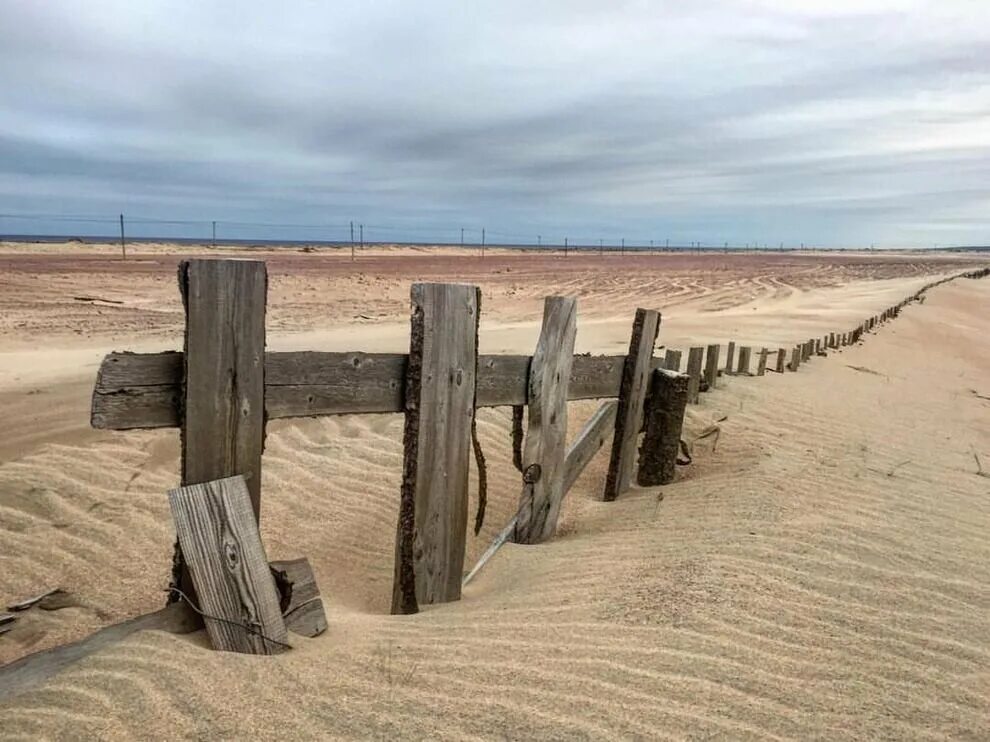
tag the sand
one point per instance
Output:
(824, 572)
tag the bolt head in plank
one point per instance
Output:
(439, 409)
(546, 436)
(632, 397)
(221, 545)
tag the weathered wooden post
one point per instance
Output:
(223, 420)
(695, 357)
(672, 360)
(795, 358)
(761, 366)
(744, 353)
(664, 421)
(544, 455)
(711, 365)
(730, 355)
(439, 407)
(635, 383)
(781, 358)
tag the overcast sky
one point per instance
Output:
(839, 122)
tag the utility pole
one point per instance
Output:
(565, 247)
(352, 242)
(482, 242)
(601, 247)
(667, 245)
(214, 234)
(622, 250)
(362, 237)
(123, 245)
(462, 237)
(539, 240)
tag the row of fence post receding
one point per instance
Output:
(438, 386)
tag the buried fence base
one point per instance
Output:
(663, 423)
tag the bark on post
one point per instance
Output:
(664, 422)
(632, 396)
(439, 402)
(761, 366)
(544, 456)
(711, 365)
(730, 356)
(744, 353)
(695, 357)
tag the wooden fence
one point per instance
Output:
(223, 387)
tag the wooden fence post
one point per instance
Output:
(664, 421)
(439, 407)
(223, 420)
(795, 358)
(744, 353)
(544, 456)
(672, 360)
(781, 357)
(761, 367)
(695, 357)
(632, 395)
(711, 365)
(730, 355)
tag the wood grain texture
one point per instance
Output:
(632, 396)
(304, 615)
(711, 365)
(695, 357)
(219, 537)
(672, 359)
(664, 423)
(545, 448)
(128, 394)
(761, 365)
(223, 420)
(439, 406)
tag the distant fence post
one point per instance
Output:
(781, 358)
(439, 407)
(632, 396)
(695, 357)
(730, 356)
(672, 360)
(795, 363)
(744, 354)
(711, 365)
(761, 366)
(544, 456)
(664, 421)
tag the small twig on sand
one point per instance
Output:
(865, 370)
(979, 467)
(895, 467)
(97, 299)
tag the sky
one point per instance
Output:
(837, 123)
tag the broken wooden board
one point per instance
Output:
(440, 389)
(219, 538)
(304, 615)
(632, 396)
(545, 447)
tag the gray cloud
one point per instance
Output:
(821, 122)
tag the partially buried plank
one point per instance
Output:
(546, 436)
(439, 401)
(632, 395)
(222, 547)
(304, 614)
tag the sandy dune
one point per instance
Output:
(824, 572)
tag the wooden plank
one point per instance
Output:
(744, 355)
(545, 448)
(664, 424)
(223, 427)
(761, 366)
(219, 538)
(695, 357)
(439, 406)
(632, 396)
(304, 615)
(672, 359)
(711, 365)
(595, 433)
(306, 384)
(730, 355)
(34, 669)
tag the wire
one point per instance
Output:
(247, 627)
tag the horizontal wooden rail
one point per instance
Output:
(136, 390)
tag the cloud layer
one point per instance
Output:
(839, 123)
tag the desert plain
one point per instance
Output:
(822, 571)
